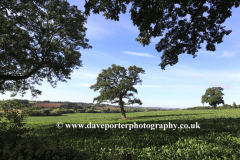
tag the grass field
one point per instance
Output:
(217, 138)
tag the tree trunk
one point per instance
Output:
(122, 109)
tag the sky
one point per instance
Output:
(178, 86)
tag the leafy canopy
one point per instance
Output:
(154, 17)
(39, 39)
(213, 96)
(115, 83)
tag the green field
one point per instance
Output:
(217, 138)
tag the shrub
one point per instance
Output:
(227, 106)
(65, 111)
(46, 112)
(80, 111)
(37, 113)
(12, 129)
(56, 112)
(71, 111)
(90, 111)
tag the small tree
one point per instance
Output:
(213, 96)
(115, 83)
(234, 105)
(12, 128)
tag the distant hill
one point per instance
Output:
(57, 104)
(47, 105)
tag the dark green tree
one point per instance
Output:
(115, 83)
(213, 96)
(234, 105)
(153, 17)
(39, 39)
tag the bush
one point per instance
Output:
(115, 111)
(46, 112)
(12, 129)
(80, 111)
(65, 111)
(227, 106)
(56, 112)
(37, 113)
(90, 111)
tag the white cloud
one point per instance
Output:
(139, 54)
(228, 54)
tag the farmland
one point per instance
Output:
(217, 137)
(47, 105)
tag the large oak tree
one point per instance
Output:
(153, 17)
(213, 96)
(39, 39)
(114, 83)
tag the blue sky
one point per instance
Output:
(179, 86)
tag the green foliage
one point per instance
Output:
(33, 147)
(153, 18)
(227, 106)
(65, 111)
(37, 113)
(39, 107)
(12, 114)
(199, 108)
(213, 96)
(115, 83)
(81, 110)
(88, 106)
(104, 110)
(12, 128)
(91, 111)
(46, 112)
(234, 105)
(56, 112)
(114, 111)
(217, 137)
(23, 101)
(43, 43)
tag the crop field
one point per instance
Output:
(47, 105)
(217, 138)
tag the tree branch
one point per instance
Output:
(10, 77)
